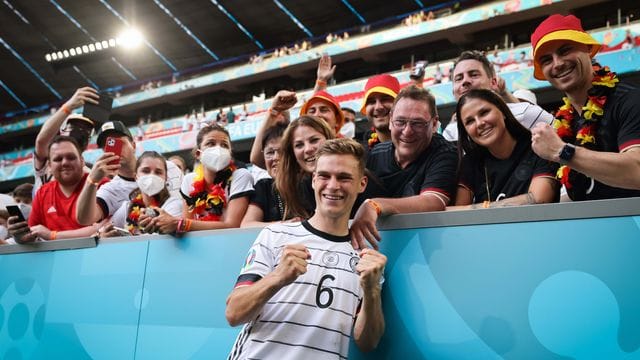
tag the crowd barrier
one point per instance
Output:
(533, 282)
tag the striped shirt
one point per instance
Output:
(312, 317)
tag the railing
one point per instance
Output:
(531, 282)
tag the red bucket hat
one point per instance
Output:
(558, 27)
(384, 84)
(325, 96)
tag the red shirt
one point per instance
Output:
(53, 209)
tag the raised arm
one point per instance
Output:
(51, 127)
(282, 102)
(87, 209)
(369, 325)
(324, 73)
(244, 303)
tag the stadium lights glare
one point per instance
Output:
(129, 39)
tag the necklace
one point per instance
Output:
(373, 139)
(603, 84)
(207, 202)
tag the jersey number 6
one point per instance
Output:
(327, 290)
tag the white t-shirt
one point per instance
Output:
(173, 206)
(174, 178)
(312, 317)
(526, 113)
(113, 194)
(241, 184)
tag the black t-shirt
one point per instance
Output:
(266, 197)
(508, 177)
(434, 170)
(618, 130)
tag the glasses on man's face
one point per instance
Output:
(416, 125)
(270, 154)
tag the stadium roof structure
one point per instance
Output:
(180, 35)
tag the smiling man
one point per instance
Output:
(417, 167)
(379, 93)
(54, 205)
(596, 134)
(303, 284)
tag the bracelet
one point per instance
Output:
(65, 110)
(91, 182)
(375, 206)
(179, 226)
(187, 226)
(53, 235)
(321, 82)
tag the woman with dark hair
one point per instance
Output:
(498, 167)
(216, 193)
(299, 144)
(152, 194)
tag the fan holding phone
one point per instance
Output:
(54, 205)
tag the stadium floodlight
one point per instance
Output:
(98, 45)
(48, 57)
(78, 50)
(54, 56)
(65, 53)
(59, 53)
(130, 38)
(72, 52)
(105, 44)
(112, 42)
(92, 48)
(85, 49)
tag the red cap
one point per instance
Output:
(383, 83)
(558, 27)
(326, 97)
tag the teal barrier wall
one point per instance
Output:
(459, 285)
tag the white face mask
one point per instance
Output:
(215, 158)
(150, 184)
(4, 232)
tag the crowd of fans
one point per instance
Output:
(498, 150)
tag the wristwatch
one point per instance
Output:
(567, 153)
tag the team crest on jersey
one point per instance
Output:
(330, 258)
(353, 262)
(251, 256)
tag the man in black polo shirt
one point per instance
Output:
(417, 168)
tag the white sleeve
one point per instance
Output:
(115, 192)
(119, 218)
(260, 260)
(529, 115)
(173, 206)
(241, 183)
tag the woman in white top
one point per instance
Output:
(149, 197)
(216, 193)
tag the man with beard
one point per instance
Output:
(53, 208)
(596, 133)
(379, 93)
(63, 122)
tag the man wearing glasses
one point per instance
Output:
(417, 167)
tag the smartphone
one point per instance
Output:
(113, 145)
(100, 112)
(14, 210)
(418, 70)
(121, 231)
